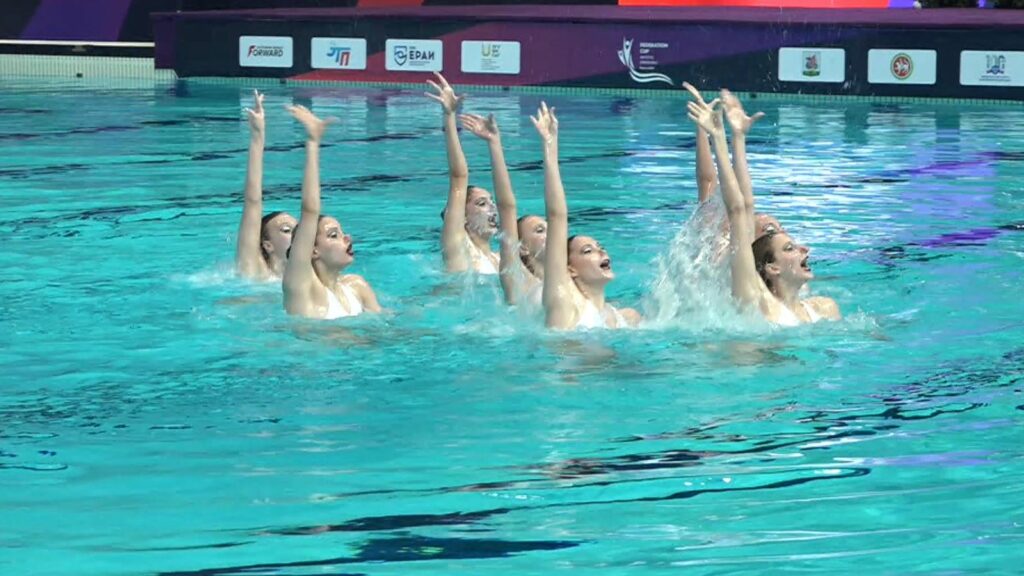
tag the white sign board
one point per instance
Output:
(991, 68)
(483, 57)
(265, 51)
(338, 53)
(812, 65)
(414, 55)
(901, 66)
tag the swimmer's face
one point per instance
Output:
(277, 235)
(333, 247)
(766, 224)
(533, 236)
(481, 214)
(791, 264)
(589, 262)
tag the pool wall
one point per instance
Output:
(948, 53)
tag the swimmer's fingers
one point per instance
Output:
(473, 123)
(435, 86)
(693, 91)
(729, 99)
(537, 123)
(257, 102)
(441, 80)
(756, 117)
(434, 97)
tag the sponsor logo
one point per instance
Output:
(410, 55)
(812, 64)
(901, 66)
(338, 53)
(643, 71)
(906, 67)
(270, 51)
(265, 51)
(995, 68)
(984, 68)
(480, 57)
(414, 55)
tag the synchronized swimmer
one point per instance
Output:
(538, 263)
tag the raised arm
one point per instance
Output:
(487, 129)
(741, 124)
(248, 256)
(453, 233)
(299, 276)
(707, 180)
(747, 286)
(559, 307)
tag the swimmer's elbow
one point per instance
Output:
(560, 212)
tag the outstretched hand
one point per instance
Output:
(546, 123)
(486, 128)
(735, 115)
(257, 120)
(704, 114)
(315, 127)
(445, 94)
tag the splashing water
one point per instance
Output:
(691, 289)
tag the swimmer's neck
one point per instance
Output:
(788, 295)
(276, 266)
(535, 267)
(593, 293)
(327, 276)
(482, 243)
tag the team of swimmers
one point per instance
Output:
(538, 263)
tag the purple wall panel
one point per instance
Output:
(93, 20)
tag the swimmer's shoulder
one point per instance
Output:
(825, 307)
(354, 281)
(631, 316)
(363, 291)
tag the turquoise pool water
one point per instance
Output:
(158, 416)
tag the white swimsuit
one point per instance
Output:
(482, 262)
(335, 308)
(485, 266)
(789, 318)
